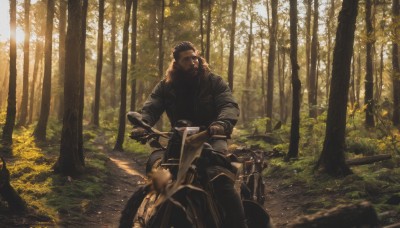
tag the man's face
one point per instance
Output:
(188, 62)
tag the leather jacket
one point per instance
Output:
(202, 102)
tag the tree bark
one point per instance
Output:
(308, 40)
(395, 63)
(82, 49)
(40, 130)
(332, 160)
(61, 56)
(329, 48)
(369, 78)
(38, 60)
(69, 162)
(133, 54)
(124, 71)
(12, 82)
(208, 41)
(296, 85)
(358, 79)
(312, 89)
(113, 100)
(25, 85)
(99, 67)
(246, 92)
(202, 26)
(231, 63)
(271, 62)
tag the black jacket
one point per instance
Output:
(202, 102)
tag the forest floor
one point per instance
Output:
(97, 198)
(126, 174)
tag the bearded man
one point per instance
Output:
(191, 92)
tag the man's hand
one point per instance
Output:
(216, 129)
(138, 133)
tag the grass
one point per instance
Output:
(57, 199)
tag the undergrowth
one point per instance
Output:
(378, 183)
(54, 198)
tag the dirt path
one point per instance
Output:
(125, 176)
(283, 204)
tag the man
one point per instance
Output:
(191, 92)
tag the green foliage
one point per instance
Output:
(49, 194)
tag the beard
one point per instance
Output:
(187, 77)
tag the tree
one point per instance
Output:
(40, 130)
(369, 77)
(25, 85)
(246, 91)
(232, 45)
(38, 60)
(113, 100)
(312, 83)
(69, 162)
(271, 62)
(99, 67)
(395, 63)
(12, 82)
(208, 32)
(332, 160)
(329, 25)
(201, 26)
(308, 40)
(133, 53)
(296, 85)
(124, 71)
(82, 49)
(61, 56)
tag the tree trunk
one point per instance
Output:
(208, 41)
(308, 40)
(38, 59)
(329, 48)
(4, 92)
(332, 160)
(246, 94)
(271, 63)
(369, 78)
(263, 95)
(12, 82)
(40, 130)
(395, 63)
(312, 80)
(133, 54)
(69, 162)
(124, 71)
(232, 45)
(113, 100)
(82, 48)
(161, 51)
(296, 85)
(352, 95)
(358, 79)
(202, 26)
(61, 56)
(25, 85)
(99, 67)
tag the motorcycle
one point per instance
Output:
(179, 193)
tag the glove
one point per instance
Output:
(138, 133)
(216, 129)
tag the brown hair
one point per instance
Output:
(204, 69)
